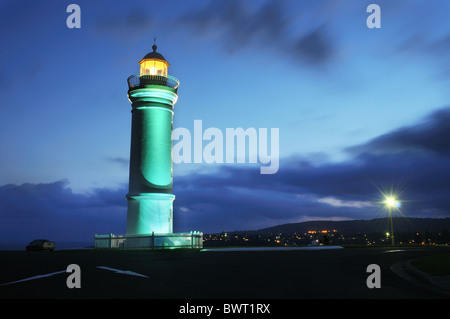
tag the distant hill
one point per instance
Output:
(380, 225)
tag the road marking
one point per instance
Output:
(124, 272)
(34, 277)
(398, 250)
(393, 251)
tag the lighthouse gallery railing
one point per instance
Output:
(137, 80)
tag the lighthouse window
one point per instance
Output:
(153, 67)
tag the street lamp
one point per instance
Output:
(391, 202)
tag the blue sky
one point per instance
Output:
(349, 102)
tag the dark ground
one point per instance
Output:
(230, 275)
(290, 282)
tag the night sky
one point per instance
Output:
(360, 111)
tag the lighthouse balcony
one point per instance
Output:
(146, 80)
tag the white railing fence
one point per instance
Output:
(193, 239)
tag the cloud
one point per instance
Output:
(431, 135)
(30, 211)
(124, 162)
(266, 27)
(128, 25)
(134, 20)
(314, 47)
(425, 33)
(413, 161)
(241, 198)
(344, 203)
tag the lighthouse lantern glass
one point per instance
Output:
(153, 67)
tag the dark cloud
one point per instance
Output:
(243, 198)
(225, 207)
(30, 211)
(313, 47)
(137, 18)
(235, 18)
(267, 27)
(431, 135)
(413, 161)
(128, 26)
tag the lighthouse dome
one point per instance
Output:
(154, 55)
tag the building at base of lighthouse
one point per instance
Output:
(153, 94)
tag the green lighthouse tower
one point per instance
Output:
(153, 94)
(149, 224)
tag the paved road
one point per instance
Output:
(228, 275)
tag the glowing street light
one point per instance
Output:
(391, 202)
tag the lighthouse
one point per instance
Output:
(153, 94)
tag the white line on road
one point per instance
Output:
(34, 277)
(124, 272)
(399, 250)
(393, 251)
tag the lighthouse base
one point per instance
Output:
(192, 239)
(150, 213)
(149, 226)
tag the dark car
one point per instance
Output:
(41, 244)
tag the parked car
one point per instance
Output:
(41, 244)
